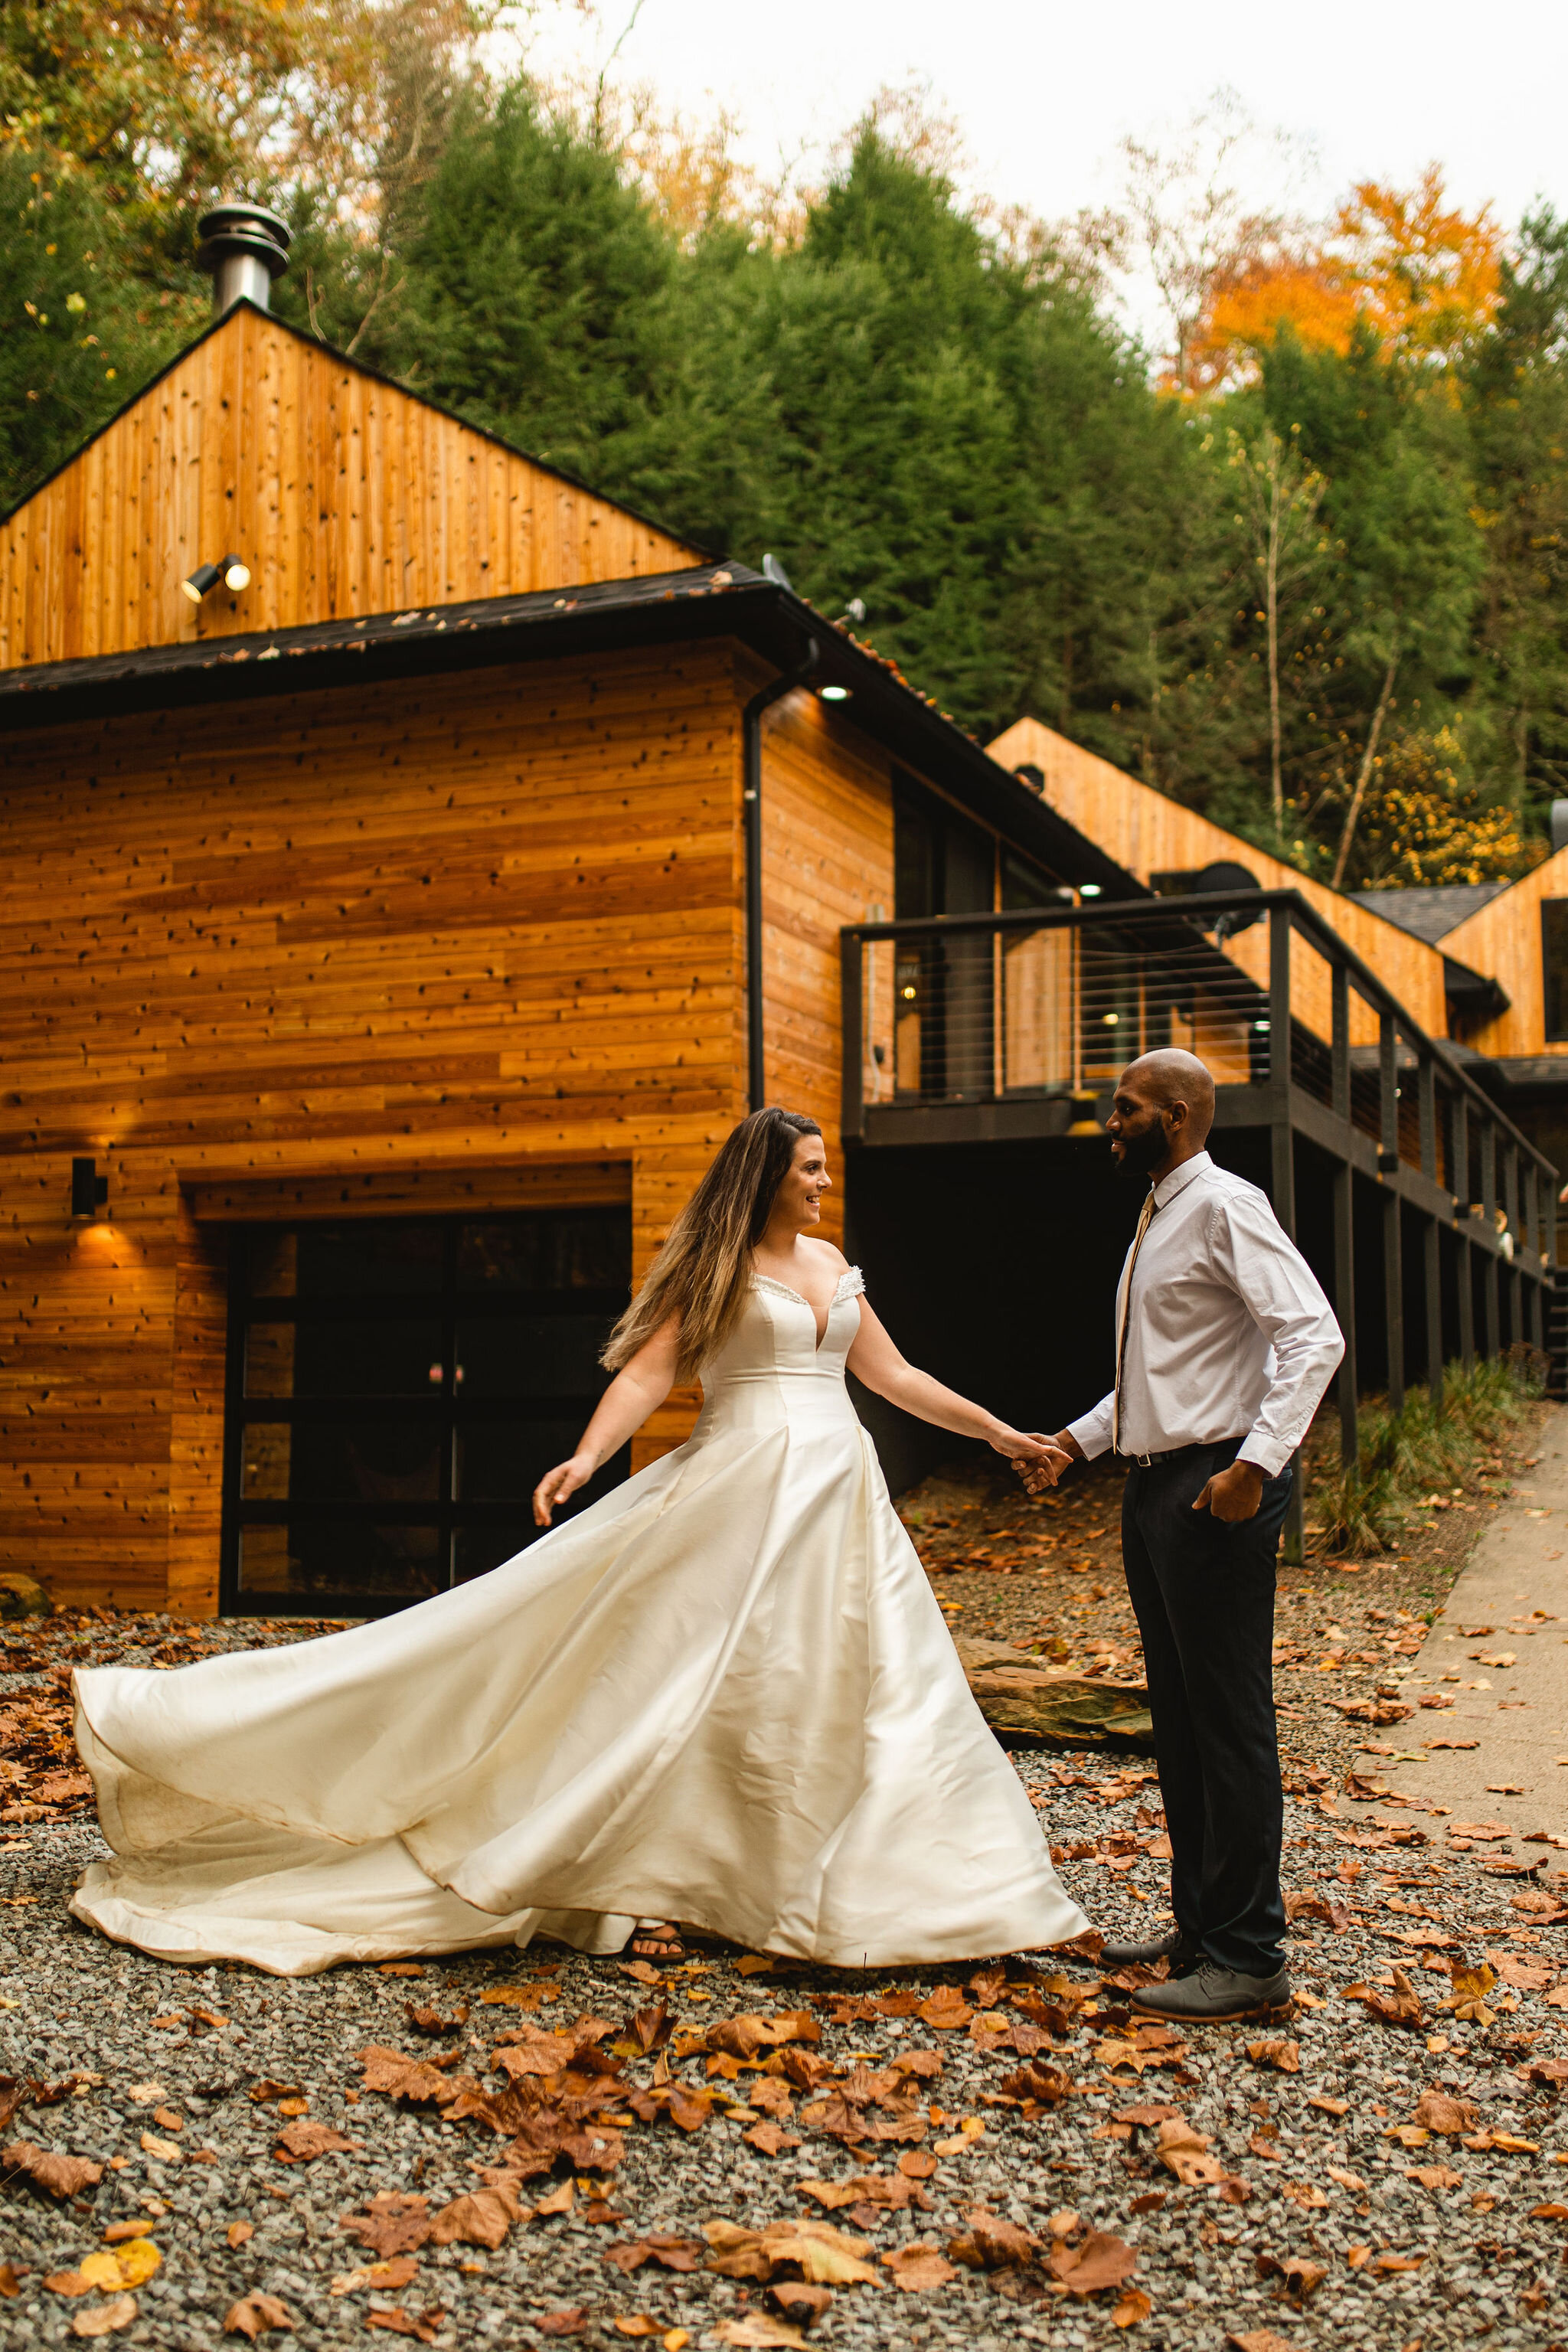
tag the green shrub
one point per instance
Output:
(1414, 1453)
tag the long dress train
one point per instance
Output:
(724, 1694)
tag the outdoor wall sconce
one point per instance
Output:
(232, 572)
(89, 1191)
(835, 693)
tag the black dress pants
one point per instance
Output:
(1202, 1591)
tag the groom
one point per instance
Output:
(1224, 1345)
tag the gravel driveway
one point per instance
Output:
(1333, 2215)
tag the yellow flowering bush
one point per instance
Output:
(1424, 824)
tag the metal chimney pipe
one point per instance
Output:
(243, 247)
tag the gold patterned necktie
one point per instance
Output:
(1144, 1215)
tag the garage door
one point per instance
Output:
(395, 1389)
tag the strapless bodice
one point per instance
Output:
(772, 1368)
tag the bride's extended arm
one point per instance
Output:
(635, 1391)
(875, 1361)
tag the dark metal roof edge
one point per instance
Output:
(210, 668)
(707, 600)
(1529, 1073)
(1462, 981)
(375, 375)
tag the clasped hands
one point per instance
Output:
(1233, 1494)
(1039, 1461)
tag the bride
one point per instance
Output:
(722, 1696)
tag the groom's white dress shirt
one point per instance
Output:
(1227, 1333)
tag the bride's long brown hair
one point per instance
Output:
(703, 1272)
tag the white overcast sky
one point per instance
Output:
(1042, 92)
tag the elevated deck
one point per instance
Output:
(1369, 1135)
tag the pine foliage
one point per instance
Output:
(1323, 595)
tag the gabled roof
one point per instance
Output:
(1430, 914)
(345, 493)
(1149, 834)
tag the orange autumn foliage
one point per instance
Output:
(1424, 276)
(1429, 276)
(1247, 309)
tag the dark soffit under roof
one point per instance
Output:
(662, 609)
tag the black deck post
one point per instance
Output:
(1515, 1278)
(1491, 1299)
(1282, 1154)
(1388, 1165)
(1344, 1223)
(1282, 1138)
(1536, 1231)
(1463, 1224)
(1431, 1238)
(849, 1116)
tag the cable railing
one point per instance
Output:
(1033, 1014)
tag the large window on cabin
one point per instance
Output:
(1554, 967)
(947, 1034)
(397, 1388)
(942, 865)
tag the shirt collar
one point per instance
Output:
(1180, 1178)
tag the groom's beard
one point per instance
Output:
(1140, 1153)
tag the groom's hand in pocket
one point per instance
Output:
(1233, 1494)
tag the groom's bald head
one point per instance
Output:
(1170, 1078)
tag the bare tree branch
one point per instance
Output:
(1367, 761)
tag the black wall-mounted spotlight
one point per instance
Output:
(89, 1191)
(232, 572)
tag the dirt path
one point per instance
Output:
(1496, 1650)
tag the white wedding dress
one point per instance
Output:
(724, 1695)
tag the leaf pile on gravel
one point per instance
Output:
(526, 2147)
(530, 2147)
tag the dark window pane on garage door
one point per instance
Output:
(342, 1569)
(587, 1250)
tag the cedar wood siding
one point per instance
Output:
(344, 494)
(468, 940)
(1503, 938)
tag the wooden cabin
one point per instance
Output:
(381, 969)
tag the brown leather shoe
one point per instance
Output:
(1210, 1995)
(1182, 1950)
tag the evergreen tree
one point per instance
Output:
(1517, 400)
(1407, 557)
(537, 288)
